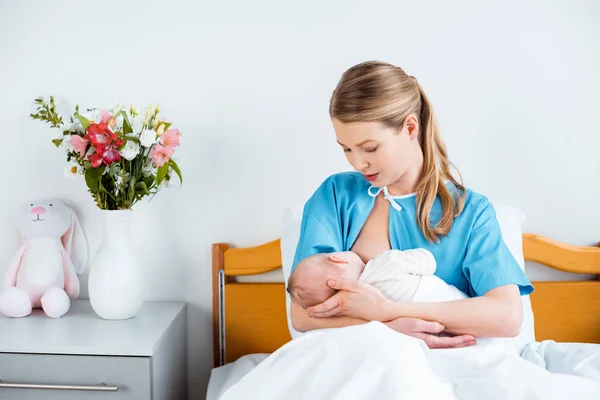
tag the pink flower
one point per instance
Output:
(105, 116)
(79, 144)
(170, 138)
(161, 155)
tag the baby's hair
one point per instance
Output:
(302, 285)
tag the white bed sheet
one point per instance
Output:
(566, 358)
(221, 378)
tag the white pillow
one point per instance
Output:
(509, 218)
(292, 220)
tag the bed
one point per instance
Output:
(250, 318)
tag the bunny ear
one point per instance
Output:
(75, 244)
(10, 279)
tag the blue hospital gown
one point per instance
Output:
(473, 256)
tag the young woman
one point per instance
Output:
(403, 195)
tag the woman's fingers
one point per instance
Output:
(327, 308)
(341, 284)
(428, 326)
(447, 342)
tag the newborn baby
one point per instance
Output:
(400, 275)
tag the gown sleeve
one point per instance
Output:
(488, 262)
(320, 230)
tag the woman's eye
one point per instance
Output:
(371, 150)
(346, 150)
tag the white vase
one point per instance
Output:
(115, 284)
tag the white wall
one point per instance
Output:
(515, 85)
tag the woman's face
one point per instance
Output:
(382, 154)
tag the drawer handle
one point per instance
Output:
(103, 387)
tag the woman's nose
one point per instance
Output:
(362, 164)
(38, 210)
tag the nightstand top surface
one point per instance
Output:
(82, 332)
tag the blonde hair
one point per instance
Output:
(375, 91)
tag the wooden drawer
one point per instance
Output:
(131, 376)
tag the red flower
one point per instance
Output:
(95, 159)
(105, 142)
(99, 135)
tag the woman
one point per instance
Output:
(404, 196)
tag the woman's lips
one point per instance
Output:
(371, 177)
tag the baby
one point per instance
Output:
(406, 275)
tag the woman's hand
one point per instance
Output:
(428, 332)
(355, 300)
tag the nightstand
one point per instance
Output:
(81, 356)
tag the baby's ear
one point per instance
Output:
(337, 259)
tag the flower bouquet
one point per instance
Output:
(123, 155)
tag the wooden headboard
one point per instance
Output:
(250, 317)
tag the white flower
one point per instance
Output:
(119, 127)
(148, 169)
(72, 170)
(130, 151)
(94, 116)
(148, 137)
(67, 145)
(117, 108)
(118, 184)
(137, 124)
(166, 184)
(74, 126)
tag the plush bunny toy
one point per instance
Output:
(43, 272)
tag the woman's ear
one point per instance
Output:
(411, 123)
(337, 259)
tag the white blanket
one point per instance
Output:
(371, 361)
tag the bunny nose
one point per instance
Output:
(38, 210)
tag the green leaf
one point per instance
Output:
(131, 191)
(57, 142)
(92, 178)
(133, 139)
(84, 121)
(175, 167)
(161, 173)
(141, 187)
(103, 190)
(166, 124)
(126, 124)
(149, 181)
(114, 169)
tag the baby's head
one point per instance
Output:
(307, 285)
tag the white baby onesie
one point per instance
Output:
(408, 275)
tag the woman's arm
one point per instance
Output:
(425, 330)
(498, 313)
(303, 323)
